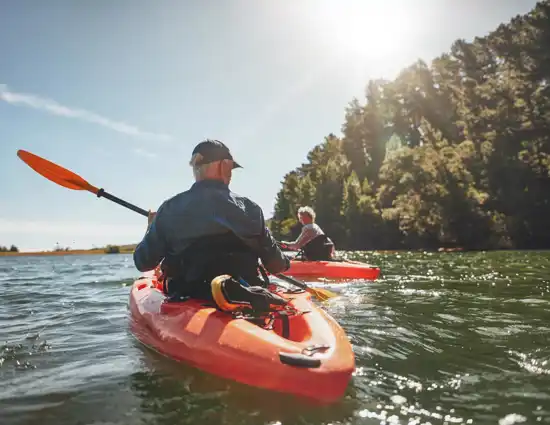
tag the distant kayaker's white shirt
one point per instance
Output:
(309, 232)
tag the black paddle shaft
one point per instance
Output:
(292, 280)
(102, 193)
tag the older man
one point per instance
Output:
(208, 231)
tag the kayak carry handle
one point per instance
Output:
(299, 360)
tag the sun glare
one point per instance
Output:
(366, 32)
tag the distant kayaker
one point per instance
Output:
(208, 231)
(315, 245)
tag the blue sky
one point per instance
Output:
(121, 91)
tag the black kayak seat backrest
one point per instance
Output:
(318, 249)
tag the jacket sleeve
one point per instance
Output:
(152, 249)
(272, 257)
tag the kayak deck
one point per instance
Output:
(333, 269)
(308, 356)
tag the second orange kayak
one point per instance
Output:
(333, 269)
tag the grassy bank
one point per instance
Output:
(109, 249)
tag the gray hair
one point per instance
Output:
(198, 169)
(307, 210)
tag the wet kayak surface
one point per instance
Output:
(438, 338)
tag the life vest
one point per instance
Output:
(320, 248)
(191, 272)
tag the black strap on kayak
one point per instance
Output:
(286, 325)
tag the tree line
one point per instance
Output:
(449, 154)
(12, 248)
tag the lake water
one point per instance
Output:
(455, 338)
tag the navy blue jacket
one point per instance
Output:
(207, 208)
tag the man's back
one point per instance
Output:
(208, 208)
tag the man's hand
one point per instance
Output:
(150, 218)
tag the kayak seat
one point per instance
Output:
(230, 295)
(320, 248)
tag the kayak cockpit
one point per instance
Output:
(287, 323)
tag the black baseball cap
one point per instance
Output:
(213, 150)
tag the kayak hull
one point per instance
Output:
(238, 349)
(333, 269)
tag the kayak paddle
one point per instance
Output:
(70, 180)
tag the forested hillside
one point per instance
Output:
(452, 154)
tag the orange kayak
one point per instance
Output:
(333, 269)
(301, 351)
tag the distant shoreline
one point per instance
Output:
(129, 249)
(126, 249)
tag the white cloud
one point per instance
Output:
(55, 108)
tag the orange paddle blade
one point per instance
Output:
(55, 173)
